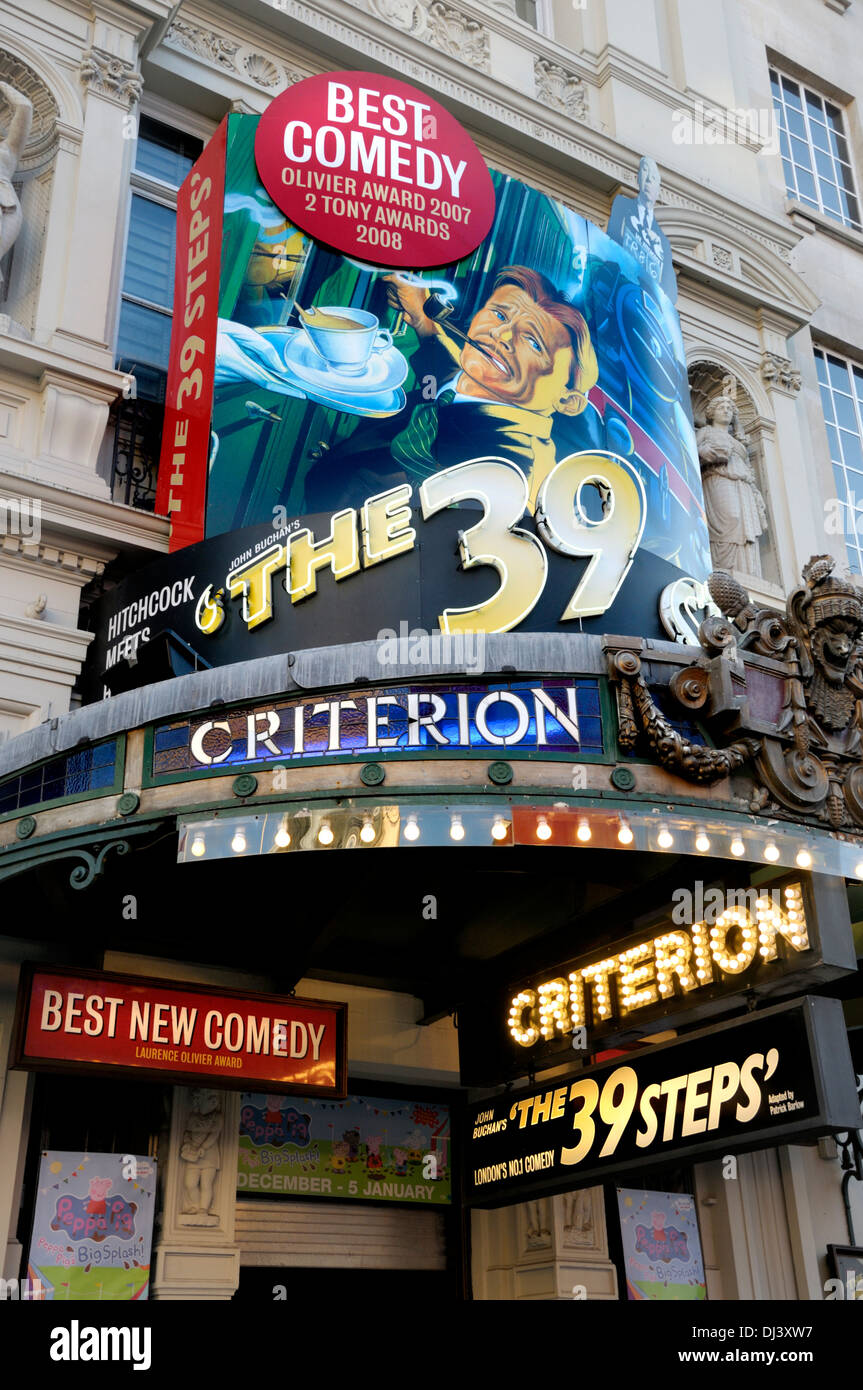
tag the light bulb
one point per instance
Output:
(283, 836)
(238, 844)
(543, 829)
(500, 829)
(367, 834)
(583, 832)
(325, 834)
(737, 847)
(624, 834)
(199, 846)
(411, 830)
(804, 859)
(771, 852)
(702, 844)
(665, 839)
(456, 829)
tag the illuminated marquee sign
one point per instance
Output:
(531, 716)
(123, 1025)
(692, 961)
(776, 1077)
(768, 926)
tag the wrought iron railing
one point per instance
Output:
(136, 421)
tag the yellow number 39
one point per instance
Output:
(611, 540)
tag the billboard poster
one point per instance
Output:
(661, 1246)
(93, 1227)
(337, 379)
(370, 1147)
(499, 441)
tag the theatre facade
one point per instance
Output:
(449, 569)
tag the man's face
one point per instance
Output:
(649, 182)
(533, 357)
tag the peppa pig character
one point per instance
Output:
(374, 1162)
(400, 1159)
(99, 1189)
(658, 1222)
(273, 1110)
(352, 1139)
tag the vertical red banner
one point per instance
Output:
(182, 487)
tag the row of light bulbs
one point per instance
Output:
(500, 830)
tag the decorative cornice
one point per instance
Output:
(458, 36)
(110, 77)
(408, 15)
(780, 374)
(240, 60)
(560, 89)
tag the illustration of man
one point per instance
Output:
(527, 358)
(633, 226)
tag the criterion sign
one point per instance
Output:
(375, 169)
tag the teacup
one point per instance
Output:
(347, 350)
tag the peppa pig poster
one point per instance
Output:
(93, 1227)
(661, 1246)
(372, 1148)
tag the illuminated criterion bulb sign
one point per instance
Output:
(376, 169)
(653, 970)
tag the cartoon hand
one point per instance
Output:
(408, 300)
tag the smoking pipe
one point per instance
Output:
(438, 310)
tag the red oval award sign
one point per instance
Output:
(375, 169)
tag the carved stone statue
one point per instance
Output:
(538, 1232)
(11, 216)
(200, 1153)
(578, 1218)
(736, 514)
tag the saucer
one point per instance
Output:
(384, 372)
(376, 407)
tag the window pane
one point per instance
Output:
(846, 416)
(851, 452)
(164, 153)
(820, 135)
(150, 252)
(821, 367)
(797, 125)
(833, 440)
(791, 92)
(806, 186)
(145, 335)
(814, 107)
(838, 374)
(824, 164)
(830, 198)
(839, 146)
(827, 403)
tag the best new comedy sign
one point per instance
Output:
(122, 1025)
(781, 1075)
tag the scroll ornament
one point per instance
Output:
(811, 762)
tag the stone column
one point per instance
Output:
(196, 1256)
(95, 218)
(551, 1248)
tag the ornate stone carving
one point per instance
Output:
(578, 1228)
(779, 372)
(560, 89)
(723, 258)
(42, 138)
(640, 716)
(11, 149)
(736, 513)
(203, 42)
(407, 15)
(809, 757)
(200, 1154)
(537, 1223)
(111, 76)
(457, 36)
(262, 71)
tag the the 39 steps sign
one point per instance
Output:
(737, 1086)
